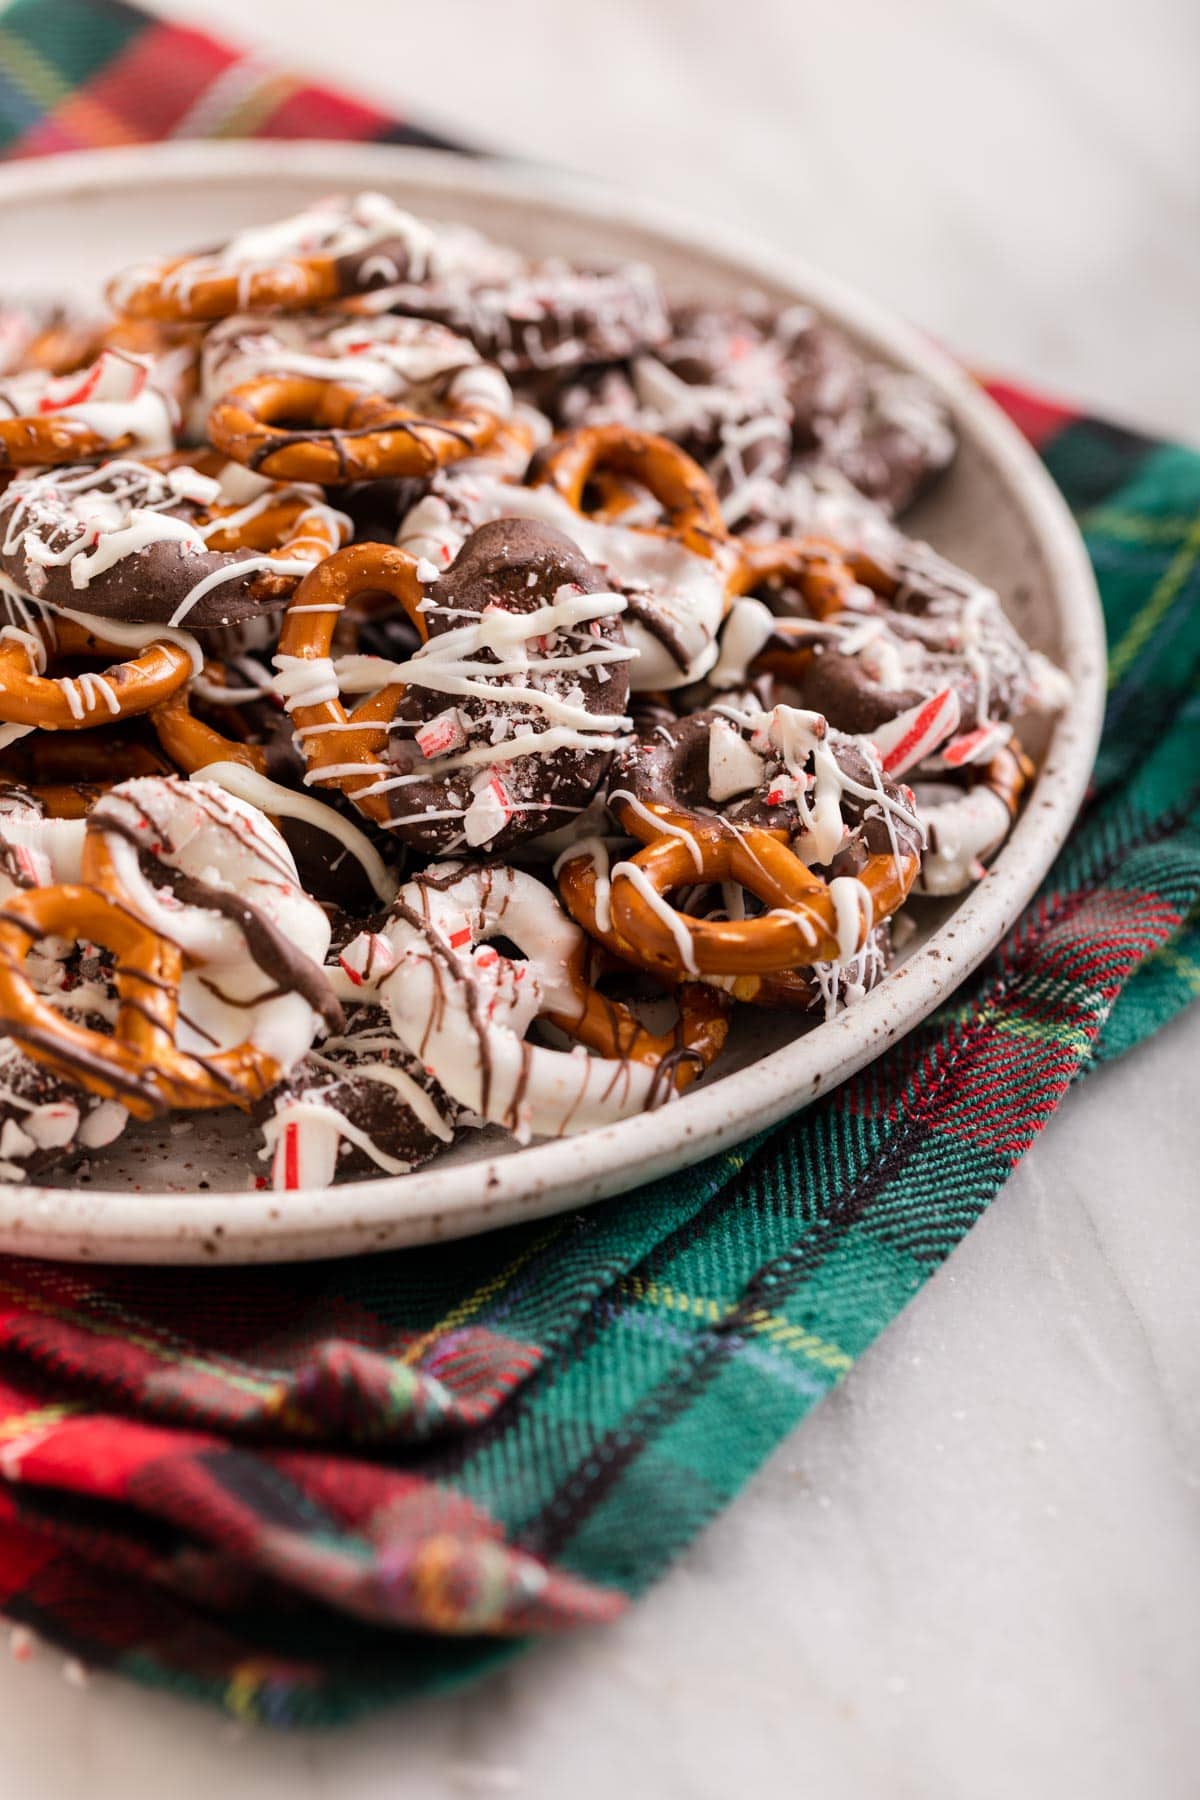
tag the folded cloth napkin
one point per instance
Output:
(299, 1493)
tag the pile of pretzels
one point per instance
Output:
(438, 687)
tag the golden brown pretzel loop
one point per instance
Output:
(612, 1029)
(119, 402)
(60, 769)
(609, 1026)
(117, 753)
(338, 247)
(1008, 773)
(192, 743)
(34, 441)
(63, 345)
(139, 1063)
(831, 579)
(344, 750)
(122, 1066)
(69, 801)
(790, 990)
(166, 292)
(292, 527)
(576, 460)
(66, 345)
(800, 926)
(76, 702)
(302, 428)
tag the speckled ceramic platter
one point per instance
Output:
(185, 1192)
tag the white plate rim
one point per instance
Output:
(433, 1204)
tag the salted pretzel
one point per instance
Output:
(109, 407)
(136, 1064)
(805, 820)
(154, 943)
(66, 772)
(344, 749)
(187, 539)
(193, 743)
(830, 578)
(887, 628)
(575, 461)
(584, 884)
(464, 1007)
(335, 248)
(678, 570)
(76, 702)
(506, 715)
(809, 920)
(59, 342)
(346, 435)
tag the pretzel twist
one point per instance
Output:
(67, 345)
(31, 441)
(66, 773)
(345, 750)
(787, 990)
(75, 702)
(291, 527)
(188, 290)
(800, 928)
(118, 1067)
(467, 1006)
(139, 1063)
(192, 743)
(830, 578)
(346, 434)
(608, 455)
(613, 1030)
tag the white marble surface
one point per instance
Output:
(976, 1569)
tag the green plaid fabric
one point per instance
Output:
(302, 1493)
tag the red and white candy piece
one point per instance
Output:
(489, 811)
(470, 1031)
(978, 746)
(443, 735)
(367, 959)
(114, 375)
(307, 1141)
(911, 736)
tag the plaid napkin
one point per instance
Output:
(301, 1493)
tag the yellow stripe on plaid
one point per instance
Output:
(476, 1301)
(1113, 523)
(779, 1331)
(251, 114)
(243, 1689)
(1146, 622)
(1045, 1031)
(1179, 964)
(40, 1418)
(31, 73)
